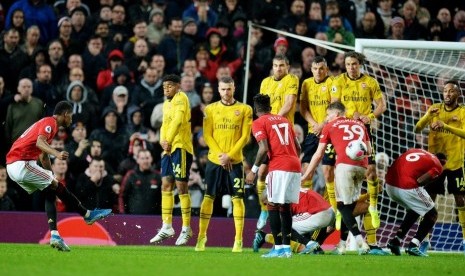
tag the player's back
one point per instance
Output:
(24, 148)
(309, 202)
(340, 132)
(409, 166)
(280, 135)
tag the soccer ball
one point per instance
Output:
(356, 150)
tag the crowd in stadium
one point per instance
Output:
(108, 57)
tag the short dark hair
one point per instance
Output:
(281, 57)
(261, 103)
(226, 80)
(173, 78)
(455, 83)
(319, 59)
(359, 56)
(337, 106)
(62, 107)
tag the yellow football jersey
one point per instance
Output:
(278, 90)
(357, 95)
(318, 97)
(226, 129)
(443, 141)
(176, 125)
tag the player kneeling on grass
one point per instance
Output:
(405, 181)
(22, 168)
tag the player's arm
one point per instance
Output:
(245, 134)
(305, 109)
(289, 102)
(45, 161)
(380, 107)
(437, 125)
(48, 150)
(316, 158)
(428, 177)
(174, 126)
(208, 132)
(298, 148)
(259, 159)
(426, 119)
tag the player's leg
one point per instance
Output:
(213, 178)
(236, 183)
(50, 208)
(456, 186)
(309, 147)
(329, 160)
(427, 223)
(460, 203)
(261, 186)
(167, 200)
(372, 184)
(182, 161)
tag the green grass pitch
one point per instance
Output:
(37, 260)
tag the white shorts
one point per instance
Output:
(348, 179)
(283, 187)
(416, 199)
(29, 175)
(306, 222)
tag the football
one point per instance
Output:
(356, 150)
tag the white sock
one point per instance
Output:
(185, 228)
(415, 241)
(167, 225)
(87, 214)
(55, 232)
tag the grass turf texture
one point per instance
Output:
(32, 259)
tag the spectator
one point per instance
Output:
(158, 62)
(268, 13)
(43, 89)
(156, 28)
(36, 12)
(6, 204)
(459, 24)
(369, 27)
(332, 8)
(140, 32)
(71, 45)
(315, 16)
(113, 137)
(138, 61)
(297, 12)
(386, 12)
(413, 29)
(93, 60)
(57, 61)
(141, 188)
(337, 33)
(188, 87)
(121, 77)
(119, 30)
(94, 187)
(191, 31)
(397, 28)
(23, 113)
(204, 16)
(31, 43)
(190, 68)
(148, 93)
(105, 77)
(446, 21)
(197, 113)
(174, 47)
(18, 23)
(80, 29)
(12, 59)
(139, 10)
(83, 110)
(60, 171)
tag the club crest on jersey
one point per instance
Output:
(48, 129)
(333, 89)
(237, 112)
(323, 88)
(364, 85)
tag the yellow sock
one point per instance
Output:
(167, 203)
(206, 210)
(261, 186)
(369, 229)
(238, 213)
(462, 219)
(307, 184)
(269, 238)
(373, 192)
(315, 234)
(331, 194)
(185, 201)
(295, 246)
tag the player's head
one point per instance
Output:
(280, 66)
(353, 62)
(319, 68)
(63, 112)
(442, 158)
(171, 84)
(261, 104)
(334, 110)
(226, 89)
(451, 92)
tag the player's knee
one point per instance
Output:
(432, 215)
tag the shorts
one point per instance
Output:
(309, 147)
(416, 199)
(283, 187)
(306, 222)
(329, 159)
(349, 179)
(29, 175)
(220, 182)
(455, 183)
(176, 164)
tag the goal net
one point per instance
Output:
(411, 75)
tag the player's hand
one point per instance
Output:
(434, 111)
(62, 155)
(365, 119)
(225, 161)
(249, 179)
(166, 146)
(317, 128)
(437, 125)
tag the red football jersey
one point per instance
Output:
(280, 135)
(309, 202)
(340, 132)
(412, 164)
(25, 148)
